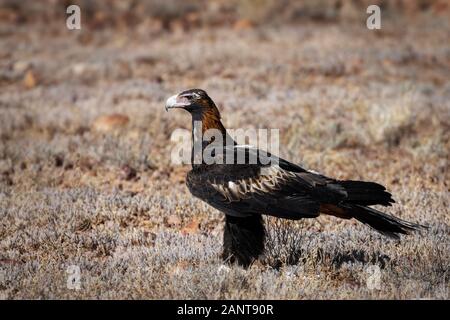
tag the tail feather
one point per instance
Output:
(361, 195)
(384, 223)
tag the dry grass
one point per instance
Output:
(349, 102)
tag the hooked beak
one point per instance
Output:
(176, 102)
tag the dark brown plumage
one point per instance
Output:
(272, 186)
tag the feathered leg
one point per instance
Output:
(243, 239)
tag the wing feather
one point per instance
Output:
(272, 186)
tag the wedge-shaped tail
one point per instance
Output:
(384, 223)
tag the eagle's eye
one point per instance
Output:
(191, 96)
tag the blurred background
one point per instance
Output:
(85, 170)
(174, 14)
(309, 68)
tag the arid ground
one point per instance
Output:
(86, 178)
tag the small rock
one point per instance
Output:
(21, 66)
(243, 24)
(30, 80)
(110, 122)
(191, 228)
(79, 68)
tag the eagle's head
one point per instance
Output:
(200, 106)
(195, 101)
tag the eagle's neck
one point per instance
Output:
(206, 130)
